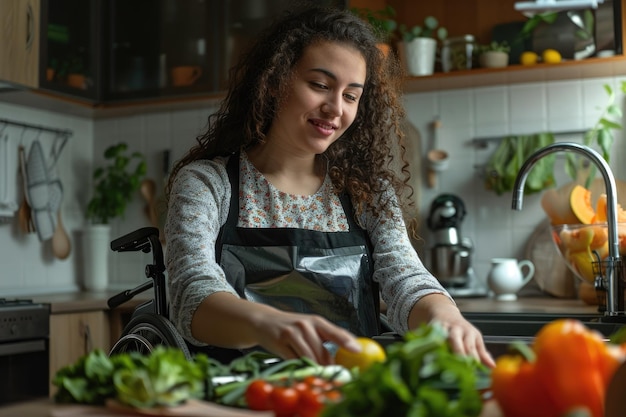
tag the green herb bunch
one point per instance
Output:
(421, 377)
(163, 378)
(115, 184)
(507, 160)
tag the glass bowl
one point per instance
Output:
(585, 246)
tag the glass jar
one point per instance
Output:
(458, 53)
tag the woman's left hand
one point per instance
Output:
(464, 338)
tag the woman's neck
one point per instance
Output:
(292, 174)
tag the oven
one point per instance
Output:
(24, 353)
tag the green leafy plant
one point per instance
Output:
(507, 159)
(115, 184)
(383, 21)
(585, 32)
(430, 29)
(495, 46)
(600, 135)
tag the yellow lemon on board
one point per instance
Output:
(528, 58)
(371, 352)
(551, 56)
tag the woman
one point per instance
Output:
(284, 221)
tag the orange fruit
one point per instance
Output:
(371, 352)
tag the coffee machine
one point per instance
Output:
(450, 256)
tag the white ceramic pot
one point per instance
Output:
(420, 56)
(493, 59)
(96, 246)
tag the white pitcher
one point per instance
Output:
(506, 278)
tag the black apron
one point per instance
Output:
(304, 271)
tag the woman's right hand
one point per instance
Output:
(243, 324)
(294, 335)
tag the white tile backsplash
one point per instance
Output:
(28, 266)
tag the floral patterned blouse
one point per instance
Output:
(198, 207)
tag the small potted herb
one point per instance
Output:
(419, 45)
(115, 185)
(430, 29)
(494, 55)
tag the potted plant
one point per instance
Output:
(494, 55)
(115, 185)
(384, 24)
(418, 47)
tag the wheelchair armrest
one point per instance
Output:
(135, 241)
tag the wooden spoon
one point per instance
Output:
(61, 245)
(148, 192)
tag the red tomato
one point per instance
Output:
(258, 395)
(310, 403)
(332, 396)
(284, 401)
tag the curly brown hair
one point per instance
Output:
(360, 161)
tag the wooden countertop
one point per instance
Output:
(46, 408)
(526, 305)
(90, 301)
(74, 302)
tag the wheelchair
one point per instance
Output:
(149, 325)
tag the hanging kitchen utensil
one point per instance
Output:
(437, 159)
(61, 245)
(24, 211)
(148, 192)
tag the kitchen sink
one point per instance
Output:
(501, 329)
(528, 324)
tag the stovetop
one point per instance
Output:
(15, 302)
(23, 319)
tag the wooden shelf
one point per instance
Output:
(479, 77)
(517, 74)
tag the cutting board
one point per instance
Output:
(193, 408)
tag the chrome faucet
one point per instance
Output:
(614, 296)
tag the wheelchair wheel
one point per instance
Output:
(146, 331)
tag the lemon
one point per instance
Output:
(371, 352)
(528, 58)
(551, 56)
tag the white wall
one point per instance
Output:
(28, 266)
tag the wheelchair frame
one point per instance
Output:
(149, 325)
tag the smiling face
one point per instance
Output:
(323, 98)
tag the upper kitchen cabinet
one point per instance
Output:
(118, 50)
(104, 52)
(19, 41)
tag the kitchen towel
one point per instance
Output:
(44, 194)
(8, 179)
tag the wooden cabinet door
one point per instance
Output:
(19, 41)
(73, 335)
